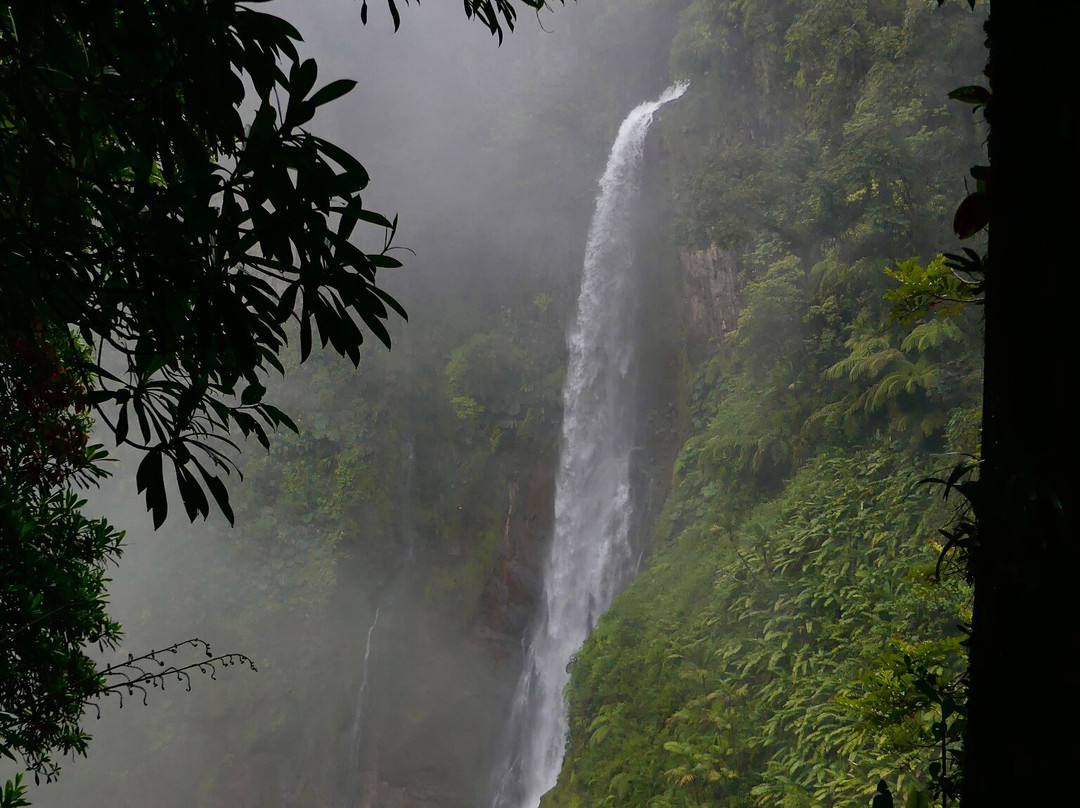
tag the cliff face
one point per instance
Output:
(441, 688)
(514, 584)
(710, 292)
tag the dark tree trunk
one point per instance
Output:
(1023, 740)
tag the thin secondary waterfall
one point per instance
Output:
(353, 790)
(356, 736)
(592, 554)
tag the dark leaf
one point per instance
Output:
(302, 77)
(384, 261)
(349, 163)
(252, 395)
(390, 301)
(305, 334)
(121, 429)
(287, 303)
(278, 417)
(219, 493)
(244, 421)
(971, 94)
(972, 215)
(354, 210)
(191, 494)
(149, 480)
(334, 89)
(299, 113)
(94, 397)
(377, 328)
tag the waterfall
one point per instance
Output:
(408, 517)
(592, 554)
(352, 793)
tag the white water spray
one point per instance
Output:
(592, 554)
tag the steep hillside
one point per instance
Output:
(787, 643)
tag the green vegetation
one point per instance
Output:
(147, 213)
(169, 222)
(53, 559)
(775, 664)
(145, 216)
(788, 644)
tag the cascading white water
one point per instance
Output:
(592, 554)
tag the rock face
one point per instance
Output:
(510, 597)
(440, 692)
(711, 295)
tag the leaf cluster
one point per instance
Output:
(53, 559)
(177, 235)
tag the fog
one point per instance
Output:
(484, 153)
(776, 377)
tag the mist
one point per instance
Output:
(388, 571)
(475, 146)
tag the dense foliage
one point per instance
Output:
(794, 647)
(787, 644)
(778, 664)
(53, 559)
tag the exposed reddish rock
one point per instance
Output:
(513, 587)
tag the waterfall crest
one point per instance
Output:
(592, 555)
